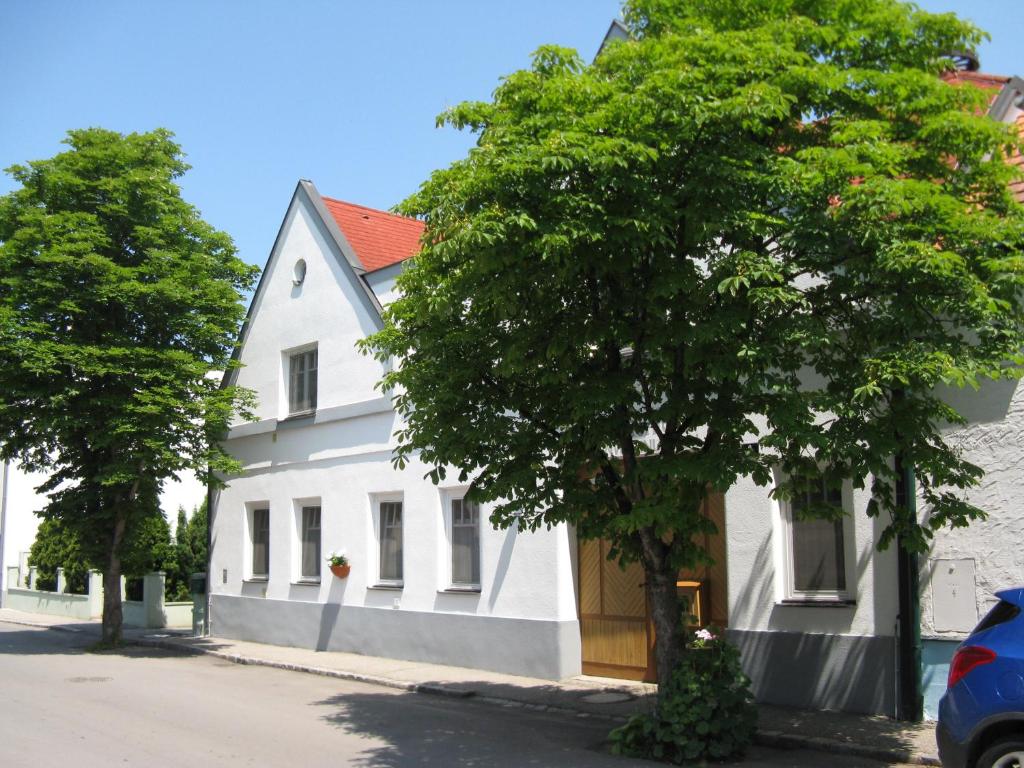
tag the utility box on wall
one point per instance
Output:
(954, 596)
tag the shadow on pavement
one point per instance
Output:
(441, 730)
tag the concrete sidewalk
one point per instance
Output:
(613, 700)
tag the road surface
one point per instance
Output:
(61, 706)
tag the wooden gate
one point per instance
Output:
(615, 624)
(616, 633)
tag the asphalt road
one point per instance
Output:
(60, 706)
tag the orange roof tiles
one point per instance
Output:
(995, 84)
(979, 79)
(379, 239)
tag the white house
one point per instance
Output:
(430, 579)
(18, 523)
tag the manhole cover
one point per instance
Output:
(88, 679)
(607, 698)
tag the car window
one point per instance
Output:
(1001, 613)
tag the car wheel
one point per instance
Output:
(1005, 753)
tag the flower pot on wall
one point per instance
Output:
(341, 571)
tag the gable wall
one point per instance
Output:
(328, 308)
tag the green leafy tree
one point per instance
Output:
(117, 303)
(761, 233)
(190, 546)
(57, 547)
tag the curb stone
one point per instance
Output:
(764, 738)
(780, 740)
(54, 627)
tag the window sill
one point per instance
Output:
(256, 580)
(298, 416)
(306, 583)
(831, 602)
(457, 590)
(388, 587)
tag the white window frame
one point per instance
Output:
(448, 499)
(845, 595)
(376, 500)
(286, 377)
(298, 505)
(251, 508)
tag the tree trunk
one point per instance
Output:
(112, 613)
(669, 635)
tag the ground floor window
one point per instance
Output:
(390, 538)
(816, 561)
(309, 558)
(464, 535)
(260, 543)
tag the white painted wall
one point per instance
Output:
(994, 440)
(327, 308)
(756, 570)
(20, 521)
(523, 575)
(343, 459)
(382, 282)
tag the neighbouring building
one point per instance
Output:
(19, 502)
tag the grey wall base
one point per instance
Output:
(545, 649)
(848, 673)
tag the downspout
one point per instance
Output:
(3, 530)
(909, 703)
(209, 548)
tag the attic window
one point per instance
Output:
(299, 272)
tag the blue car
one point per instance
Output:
(981, 716)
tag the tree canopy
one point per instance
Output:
(758, 234)
(118, 303)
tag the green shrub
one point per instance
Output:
(707, 713)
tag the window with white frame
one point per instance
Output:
(389, 534)
(464, 536)
(302, 381)
(816, 561)
(309, 543)
(259, 522)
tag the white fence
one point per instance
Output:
(151, 612)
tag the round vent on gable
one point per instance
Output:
(299, 272)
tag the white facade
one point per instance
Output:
(18, 521)
(522, 617)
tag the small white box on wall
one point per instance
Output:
(954, 596)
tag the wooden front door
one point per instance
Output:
(615, 624)
(616, 633)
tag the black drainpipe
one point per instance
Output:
(909, 702)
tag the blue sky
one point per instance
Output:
(261, 93)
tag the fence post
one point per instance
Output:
(153, 600)
(95, 593)
(32, 573)
(23, 570)
(61, 583)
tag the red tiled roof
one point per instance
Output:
(1017, 187)
(979, 79)
(379, 239)
(994, 84)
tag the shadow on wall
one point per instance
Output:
(988, 405)
(752, 601)
(819, 671)
(303, 440)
